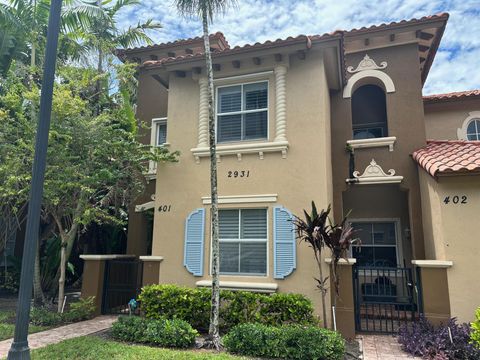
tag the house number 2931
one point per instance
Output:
(456, 199)
(164, 208)
(238, 173)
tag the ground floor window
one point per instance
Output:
(243, 241)
(378, 243)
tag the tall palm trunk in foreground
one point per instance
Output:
(206, 9)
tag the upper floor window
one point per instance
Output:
(243, 241)
(159, 131)
(369, 112)
(473, 130)
(242, 112)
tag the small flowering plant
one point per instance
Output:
(132, 305)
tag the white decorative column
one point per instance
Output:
(203, 113)
(280, 103)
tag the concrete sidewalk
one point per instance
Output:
(61, 333)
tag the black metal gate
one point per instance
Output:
(122, 282)
(385, 298)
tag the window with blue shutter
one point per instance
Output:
(194, 242)
(243, 241)
(284, 246)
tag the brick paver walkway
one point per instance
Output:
(382, 347)
(61, 333)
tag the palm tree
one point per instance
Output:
(24, 28)
(103, 36)
(206, 9)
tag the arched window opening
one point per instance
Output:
(369, 112)
(473, 130)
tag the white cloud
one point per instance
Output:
(455, 67)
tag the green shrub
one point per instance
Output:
(162, 332)
(475, 333)
(42, 316)
(83, 309)
(288, 342)
(236, 307)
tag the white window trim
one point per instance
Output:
(242, 286)
(152, 166)
(267, 109)
(398, 234)
(242, 199)
(267, 273)
(363, 77)
(462, 132)
(388, 141)
(279, 144)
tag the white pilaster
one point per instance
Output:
(280, 103)
(203, 113)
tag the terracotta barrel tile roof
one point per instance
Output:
(449, 157)
(452, 96)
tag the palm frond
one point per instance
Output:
(209, 8)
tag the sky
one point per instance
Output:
(456, 66)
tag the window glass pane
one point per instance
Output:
(254, 224)
(384, 233)
(229, 99)
(255, 96)
(228, 224)
(363, 232)
(229, 259)
(369, 133)
(255, 126)
(229, 127)
(253, 258)
(364, 255)
(161, 133)
(471, 129)
(385, 256)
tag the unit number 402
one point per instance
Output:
(455, 199)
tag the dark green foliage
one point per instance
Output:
(44, 317)
(78, 311)
(10, 282)
(287, 342)
(83, 309)
(162, 332)
(236, 307)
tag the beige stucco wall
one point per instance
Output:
(443, 119)
(451, 233)
(304, 175)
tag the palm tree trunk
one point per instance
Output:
(213, 332)
(38, 296)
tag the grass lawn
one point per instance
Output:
(7, 327)
(94, 347)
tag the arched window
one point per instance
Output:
(473, 130)
(369, 112)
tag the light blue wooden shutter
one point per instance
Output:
(284, 247)
(194, 239)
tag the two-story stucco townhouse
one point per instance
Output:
(333, 118)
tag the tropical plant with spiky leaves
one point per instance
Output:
(318, 231)
(308, 230)
(206, 10)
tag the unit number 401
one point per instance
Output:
(455, 199)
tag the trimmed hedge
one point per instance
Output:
(165, 333)
(286, 342)
(83, 309)
(236, 307)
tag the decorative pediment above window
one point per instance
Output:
(374, 174)
(367, 64)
